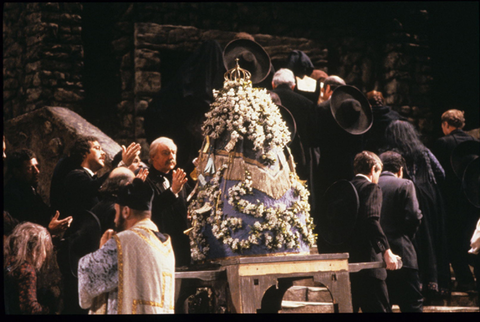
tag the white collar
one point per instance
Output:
(89, 171)
(362, 175)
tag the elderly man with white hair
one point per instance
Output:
(169, 207)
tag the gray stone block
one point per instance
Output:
(50, 132)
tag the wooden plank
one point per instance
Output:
(275, 258)
(202, 275)
(292, 267)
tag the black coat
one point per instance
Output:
(368, 240)
(337, 149)
(302, 110)
(23, 203)
(105, 212)
(461, 215)
(169, 213)
(400, 216)
(82, 191)
(375, 139)
(443, 148)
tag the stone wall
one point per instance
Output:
(43, 56)
(384, 49)
(49, 132)
(152, 41)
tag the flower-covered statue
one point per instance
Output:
(248, 199)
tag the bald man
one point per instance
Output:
(105, 209)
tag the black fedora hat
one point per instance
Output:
(252, 57)
(351, 110)
(84, 239)
(471, 182)
(338, 213)
(462, 155)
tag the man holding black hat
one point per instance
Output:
(110, 281)
(341, 122)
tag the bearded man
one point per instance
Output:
(133, 272)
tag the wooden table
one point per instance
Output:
(257, 284)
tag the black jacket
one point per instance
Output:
(368, 240)
(400, 216)
(337, 149)
(443, 148)
(81, 191)
(302, 110)
(169, 213)
(23, 203)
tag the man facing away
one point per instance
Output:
(368, 242)
(133, 272)
(283, 85)
(400, 220)
(461, 215)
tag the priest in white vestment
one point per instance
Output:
(133, 272)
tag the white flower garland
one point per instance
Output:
(275, 231)
(247, 112)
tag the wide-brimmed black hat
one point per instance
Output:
(338, 213)
(462, 155)
(252, 57)
(471, 182)
(84, 238)
(138, 195)
(351, 110)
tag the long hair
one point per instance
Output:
(29, 242)
(403, 137)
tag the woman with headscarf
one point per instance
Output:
(423, 168)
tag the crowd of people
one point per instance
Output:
(103, 243)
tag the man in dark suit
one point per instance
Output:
(169, 206)
(400, 220)
(461, 215)
(368, 243)
(283, 84)
(82, 185)
(334, 146)
(79, 192)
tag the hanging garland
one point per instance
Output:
(248, 113)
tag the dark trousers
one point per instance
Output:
(404, 289)
(369, 294)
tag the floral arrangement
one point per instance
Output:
(245, 112)
(248, 112)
